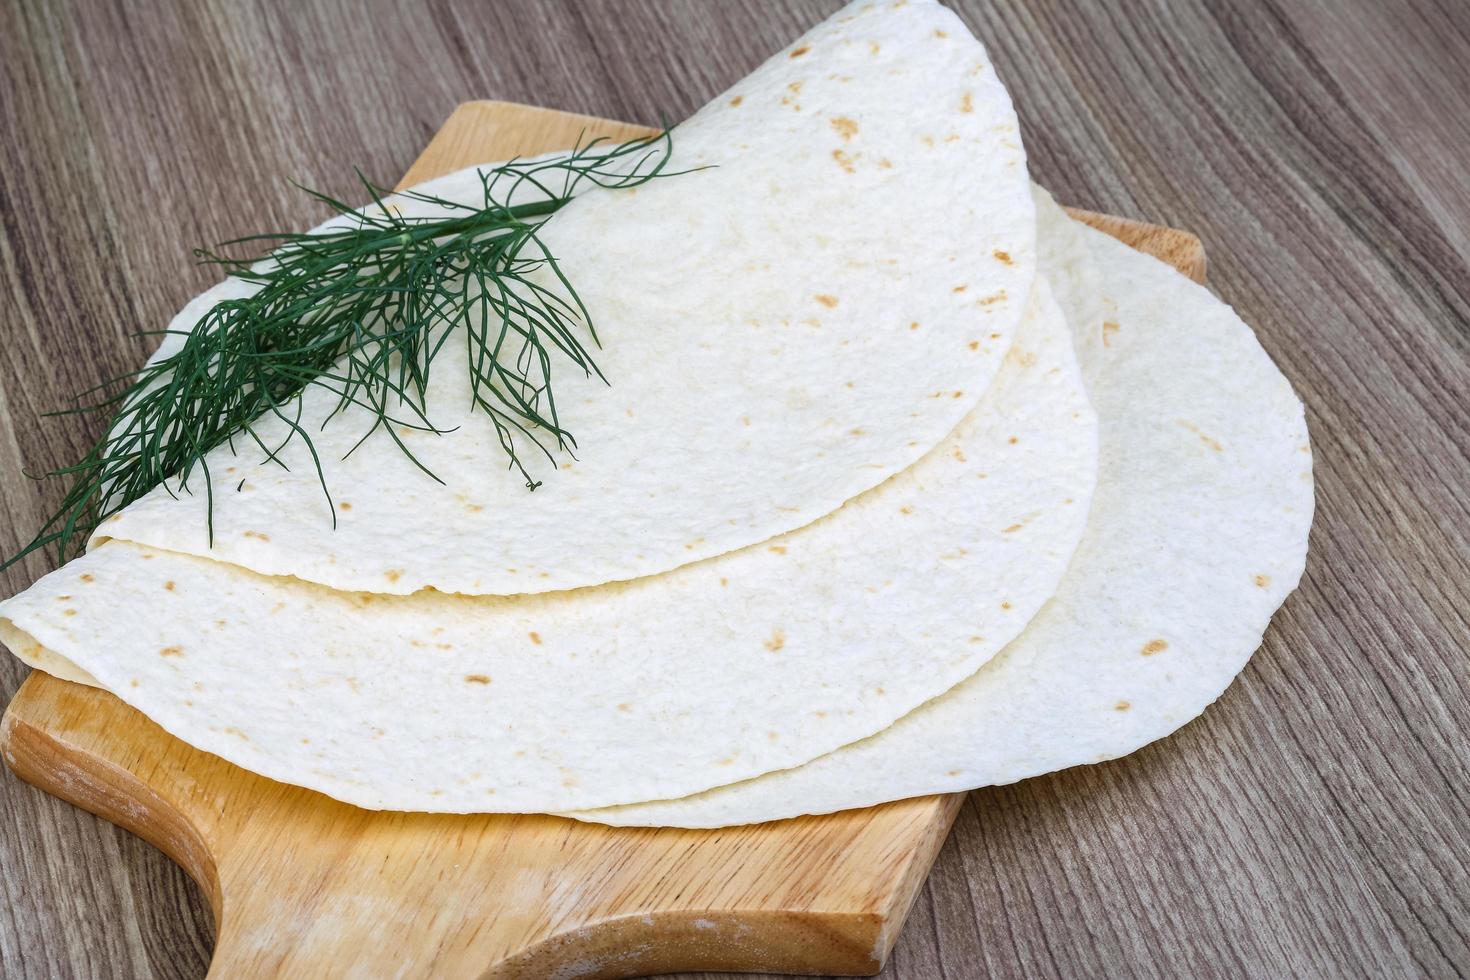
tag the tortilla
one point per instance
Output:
(1071, 270)
(1198, 533)
(757, 660)
(781, 332)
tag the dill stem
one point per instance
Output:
(356, 309)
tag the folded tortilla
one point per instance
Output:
(1198, 532)
(781, 332)
(756, 660)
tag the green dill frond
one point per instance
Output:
(360, 308)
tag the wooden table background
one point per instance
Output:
(1313, 823)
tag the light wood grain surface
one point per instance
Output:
(304, 886)
(1313, 823)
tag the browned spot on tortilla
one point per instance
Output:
(171, 652)
(826, 300)
(1213, 444)
(1122, 706)
(1006, 604)
(1004, 258)
(477, 678)
(977, 639)
(794, 88)
(133, 682)
(776, 642)
(967, 104)
(1013, 440)
(874, 47)
(857, 432)
(344, 505)
(992, 299)
(68, 612)
(169, 585)
(1110, 327)
(221, 623)
(535, 638)
(1154, 646)
(87, 577)
(914, 325)
(927, 140)
(724, 581)
(846, 128)
(474, 508)
(879, 691)
(1013, 528)
(443, 646)
(625, 707)
(801, 51)
(1262, 581)
(959, 394)
(974, 345)
(258, 534)
(939, 33)
(959, 454)
(779, 549)
(737, 100)
(885, 163)
(844, 160)
(63, 598)
(393, 574)
(961, 289)
(905, 509)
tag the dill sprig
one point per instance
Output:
(363, 309)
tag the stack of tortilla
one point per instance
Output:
(904, 482)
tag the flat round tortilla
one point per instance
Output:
(781, 332)
(757, 660)
(1198, 533)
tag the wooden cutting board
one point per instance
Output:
(304, 886)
